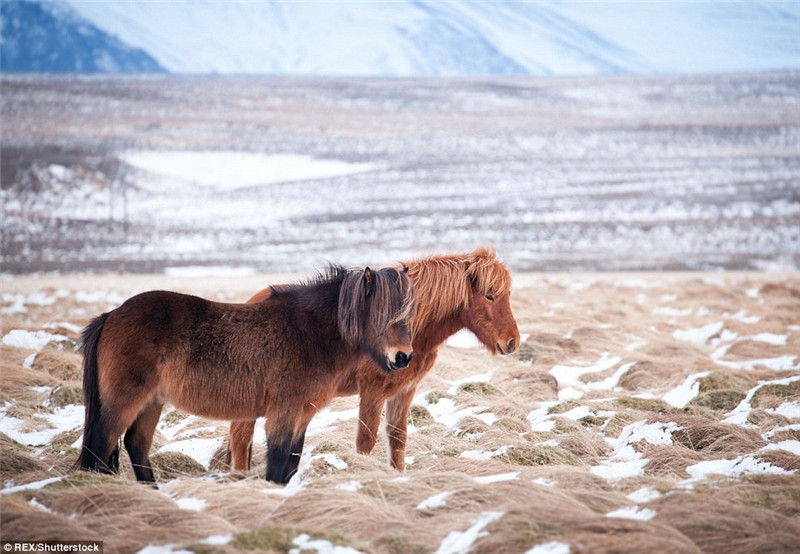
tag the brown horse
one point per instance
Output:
(453, 292)
(281, 358)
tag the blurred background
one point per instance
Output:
(233, 137)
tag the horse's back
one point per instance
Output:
(158, 314)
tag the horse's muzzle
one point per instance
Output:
(401, 360)
(508, 348)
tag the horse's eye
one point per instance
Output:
(490, 298)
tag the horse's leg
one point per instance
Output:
(104, 445)
(126, 392)
(286, 434)
(113, 460)
(369, 419)
(279, 447)
(295, 453)
(138, 439)
(397, 426)
(241, 444)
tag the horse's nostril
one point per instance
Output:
(511, 345)
(402, 359)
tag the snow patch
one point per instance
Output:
(201, 450)
(771, 433)
(672, 312)
(350, 486)
(31, 340)
(444, 411)
(36, 504)
(485, 454)
(625, 461)
(458, 542)
(326, 419)
(739, 415)
(464, 339)
(540, 420)
(552, 547)
(305, 543)
(332, 460)
(217, 540)
(191, 504)
(683, 394)
(770, 338)
(228, 171)
(163, 549)
(699, 335)
(742, 316)
(488, 479)
(438, 500)
(61, 420)
(31, 486)
(614, 471)
(789, 410)
(544, 482)
(780, 363)
(645, 494)
(792, 446)
(633, 512)
(569, 383)
(743, 465)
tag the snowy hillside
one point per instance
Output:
(49, 37)
(455, 38)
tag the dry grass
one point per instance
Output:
(547, 490)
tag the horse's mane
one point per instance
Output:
(443, 283)
(392, 296)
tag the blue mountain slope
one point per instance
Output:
(47, 37)
(410, 37)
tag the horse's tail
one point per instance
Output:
(91, 391)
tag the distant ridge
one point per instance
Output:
(403, 38)
(52, 38)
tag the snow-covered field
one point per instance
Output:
(145, 174)
(647, 412)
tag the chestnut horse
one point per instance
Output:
(281, 358)
(453, 292)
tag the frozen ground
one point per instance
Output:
(645, 412)
(285, 174)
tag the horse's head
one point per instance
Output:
(488, 312)
(374, 310)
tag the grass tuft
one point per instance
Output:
(644, 404)
(719, 400)
(434, 396)
(170, 465)
(479, 388)
(65, 395)
(537, 455)
(419, 416)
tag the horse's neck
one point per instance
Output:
(433, 334)
(321, 303)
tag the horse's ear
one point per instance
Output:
(473, 269)
(369, 281)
